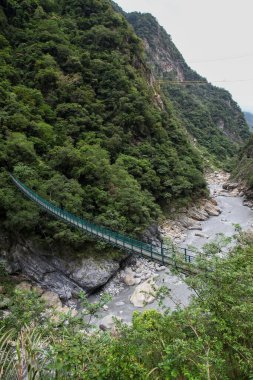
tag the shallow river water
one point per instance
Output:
(233, 212)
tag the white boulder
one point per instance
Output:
(129, 279)
(144, 293)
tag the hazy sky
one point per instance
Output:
(214, 36)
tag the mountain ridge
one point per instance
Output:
(209, 113)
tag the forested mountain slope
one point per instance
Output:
(80, 123)
(249, 118)
(244, 165)
(208, 112)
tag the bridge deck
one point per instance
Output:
(157, 253)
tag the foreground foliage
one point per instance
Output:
(210, 339)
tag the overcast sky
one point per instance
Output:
(214, 36)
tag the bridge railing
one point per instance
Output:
(112, 237)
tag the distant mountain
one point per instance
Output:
(208, 113)
(249, 119)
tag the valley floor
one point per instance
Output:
(233, 213)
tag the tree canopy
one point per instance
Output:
(79, 121)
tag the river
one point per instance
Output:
(233, 212)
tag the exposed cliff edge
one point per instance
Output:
(61, 273)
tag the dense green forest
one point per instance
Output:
(249, 118)
(208, 112)
(243, 168)
(79, 123)
(209, 339)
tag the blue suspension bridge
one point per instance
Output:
(160, 253)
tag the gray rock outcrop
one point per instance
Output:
(64, 275)
(211, 209)
(198, 214)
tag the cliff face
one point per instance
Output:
(244, 167)
(209, 113)
(63, 273)
(249, 119)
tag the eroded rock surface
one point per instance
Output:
(190, 218)
(63, 275)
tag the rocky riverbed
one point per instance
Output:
(193, 226)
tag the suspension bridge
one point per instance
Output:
(160, 253)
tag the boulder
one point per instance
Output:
(51, 299)
(247, 203)
(4, 302)
(108, 322)
(38, 290)
(144, 293)
(137, 281)
(160, 268)
(198, 214)
(91, 274)
(129, 279)
(186, 221)
(25, 286)
(197, 227)
(214, 202)
(234, 193)
(230, 186)
(211, 209)
(200, 234)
